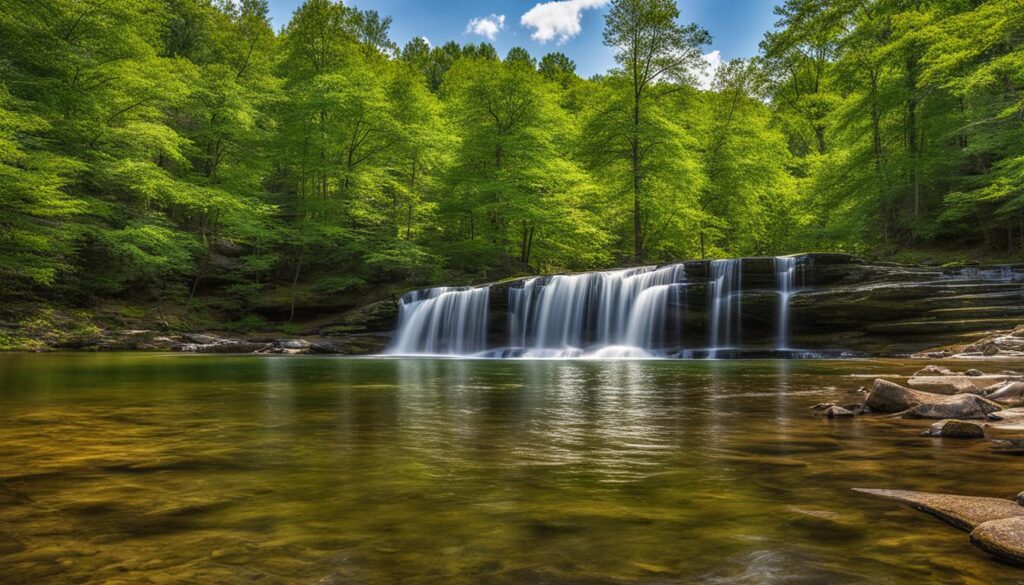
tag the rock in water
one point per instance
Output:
(974, 372)
(962, 406)
(990, 350)
(933, 370)
(964, 512)
(956, 429)
(838, 412)
(887, 397)
(942, 384)
(1002, 538)
(1010, 393)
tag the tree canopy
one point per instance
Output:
(186, 152)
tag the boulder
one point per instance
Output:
(961, 406)
(1003, 539)
(942, 384)
(964, 512)
(974, 372)
(956, 429)
(887, 397)
(990, 350)
(1019, 499)
(1009, 393)
(838, 412)
(933, 370)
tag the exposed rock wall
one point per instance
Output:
(841, 303)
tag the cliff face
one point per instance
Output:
(839, 302)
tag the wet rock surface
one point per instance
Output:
(963, 512)
(888, 397)
(1003, 539)
(996, 525)
(956, 429)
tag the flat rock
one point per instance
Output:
(956, 429)
(961, 406)
(933, 370)
(942, 384)
(1011, 419)
(974, 372)
(964, 512)
(1003, 539)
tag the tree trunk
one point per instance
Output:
(638, 236)
(295, 284)
(912, 132)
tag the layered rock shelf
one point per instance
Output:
(839, 304)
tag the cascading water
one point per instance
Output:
(635, 312)
(520, 301)
(442, 321)
(724, 305)
(621, 312)
(785, 281)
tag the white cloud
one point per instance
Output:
(426, 40)
(558, 18)
(706, 76)
(486, 26)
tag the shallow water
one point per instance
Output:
(143, 468)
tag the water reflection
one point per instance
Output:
(314, 470)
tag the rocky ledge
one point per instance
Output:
(996, 525)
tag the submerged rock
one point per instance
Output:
(838, 412)
(956, 429)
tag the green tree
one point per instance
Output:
(652, 50)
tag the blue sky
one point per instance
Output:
(736, 25)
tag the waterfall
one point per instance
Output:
(602, 309)
(724, 305)
(442, 320)
(520, 301)
(785, 281)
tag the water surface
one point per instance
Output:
(146, 468)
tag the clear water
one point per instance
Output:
(144, 468)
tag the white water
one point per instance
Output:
(616, 314)
(785, 280)
(724, 305)
(442, 321)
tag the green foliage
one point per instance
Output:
(182, 151)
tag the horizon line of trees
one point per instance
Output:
(175, 149)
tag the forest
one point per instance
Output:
(185, 153)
